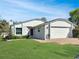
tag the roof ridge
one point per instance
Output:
(31, 20)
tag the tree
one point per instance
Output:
(74, 16)
(4, 26)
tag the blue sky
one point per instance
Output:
(20, 10)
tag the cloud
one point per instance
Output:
(57, 9)
(54, 11)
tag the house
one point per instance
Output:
(41, 29)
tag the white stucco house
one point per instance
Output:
(42, 29)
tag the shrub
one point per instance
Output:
(15, 37)
(0, 38)
(20, 37)
(76, 33)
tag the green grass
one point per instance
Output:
(29, 49)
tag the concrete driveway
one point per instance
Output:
(61, 41)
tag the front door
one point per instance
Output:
(31, 32)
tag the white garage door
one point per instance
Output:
(59, 32)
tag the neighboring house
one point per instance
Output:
(41, 29)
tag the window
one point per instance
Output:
(18, 30)
(38, 29)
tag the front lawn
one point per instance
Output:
(29, 49)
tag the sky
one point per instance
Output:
(21, 10)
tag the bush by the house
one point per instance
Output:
(21, 37)
(76, 33)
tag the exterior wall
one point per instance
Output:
(60, 23)
(24, 26)
(14, 29)
(41, 34)
(64, 29)
(46, 31)
(25, 30)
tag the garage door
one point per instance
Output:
(59, 32)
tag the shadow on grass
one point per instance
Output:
(62, 54)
